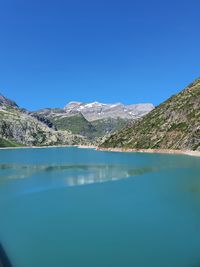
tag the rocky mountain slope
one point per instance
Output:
(5, 102)
(18, 127)
(175, 124)
(61, 126)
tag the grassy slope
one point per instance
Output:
(77, 124)
(8, 143)
(175, 124)
(109, 125)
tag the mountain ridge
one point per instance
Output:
(94, 110)
(93, 120)
(54, 126)
(174, 124)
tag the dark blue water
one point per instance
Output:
(74, 207)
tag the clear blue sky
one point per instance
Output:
(53, 52)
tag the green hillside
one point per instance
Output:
(175, 124)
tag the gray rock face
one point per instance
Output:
(24, 129)
(7, 102)
(96, 111)
(18, 126)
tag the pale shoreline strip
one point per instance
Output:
(153, 151)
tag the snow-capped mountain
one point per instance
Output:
(95, 110)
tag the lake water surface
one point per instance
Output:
(70, 207)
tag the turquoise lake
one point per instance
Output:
(70, 207)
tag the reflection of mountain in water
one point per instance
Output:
(50, 176)
(97, 174)
(21, 178)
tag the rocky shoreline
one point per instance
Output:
(154, 151)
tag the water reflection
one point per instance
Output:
(27, 178)
(34, 178)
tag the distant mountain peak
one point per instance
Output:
(95, 110)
